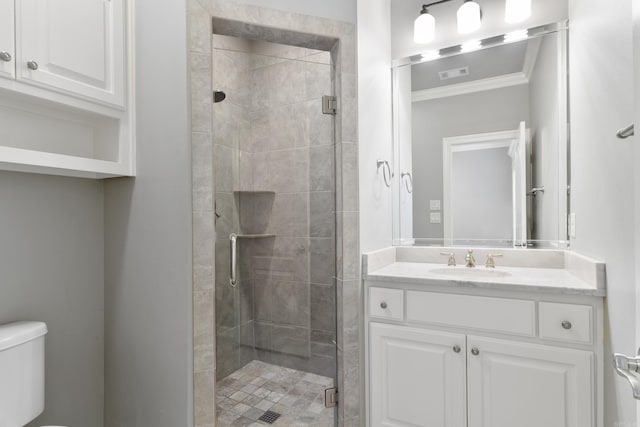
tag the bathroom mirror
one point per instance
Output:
(481, 142)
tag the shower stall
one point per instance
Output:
(275, 232)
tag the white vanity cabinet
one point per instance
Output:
(452, 357)
(67, 102)
(512, 383)
(7, 39)
(73, 46)
(418, 377)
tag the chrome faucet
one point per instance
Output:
(452, 258)
(491, 263)
(469, 259)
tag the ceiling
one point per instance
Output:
(482, 64)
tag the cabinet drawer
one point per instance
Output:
(491, 314)
(566, 322)
(386, 303)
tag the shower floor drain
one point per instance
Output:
(269, 417)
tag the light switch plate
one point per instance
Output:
(572, 225)
(434, 218)
(434, 205)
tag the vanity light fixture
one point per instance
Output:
(514, 36)
(424, 27)
(470, 46)
(516, 11)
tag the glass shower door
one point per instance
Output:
(274, 168)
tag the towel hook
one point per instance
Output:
(386, 171)
(408, 183)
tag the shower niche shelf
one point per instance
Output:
(254, 192)
(254, 236)
(254, 212)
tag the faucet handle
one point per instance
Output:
(490, 260)
(452, 258)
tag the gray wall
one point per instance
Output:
(148, 324)
(455, 116)
(374, 122)
(51, 259)
(602, 175)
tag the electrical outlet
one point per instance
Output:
(572, 225)
(434, 218)
(434, 205)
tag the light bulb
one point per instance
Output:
(516, 35)
(516, 11)
(468, 17)
(430, 56)
(424, 29)
(470, 46)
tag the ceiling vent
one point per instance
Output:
(452, 74)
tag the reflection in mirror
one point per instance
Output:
(481, 140)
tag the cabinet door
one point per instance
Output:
(416, 377)
(78, 46)
(527, 385)
(7, 42)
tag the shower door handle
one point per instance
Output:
(233, 240)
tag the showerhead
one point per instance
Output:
(219, 96)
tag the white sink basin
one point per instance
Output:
(470, 273)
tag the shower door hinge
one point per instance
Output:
(330, 397)
(329, 105)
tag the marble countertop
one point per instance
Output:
(391, 267)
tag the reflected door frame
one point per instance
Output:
(457, 144)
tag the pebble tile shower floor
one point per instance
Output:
(245, 395)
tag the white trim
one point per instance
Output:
(531, 56)
(491, 83)
(456, 144)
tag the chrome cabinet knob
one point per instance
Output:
(475, 351)
(383, 305)
(566, 324)
(5, 56)
(32, 65)
(456, 348)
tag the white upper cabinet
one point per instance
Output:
(7, 41)
(75, 47)
(67, 104)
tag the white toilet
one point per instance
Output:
(22, 372)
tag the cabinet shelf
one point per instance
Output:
(20, 160)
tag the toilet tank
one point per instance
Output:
(21, 372)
